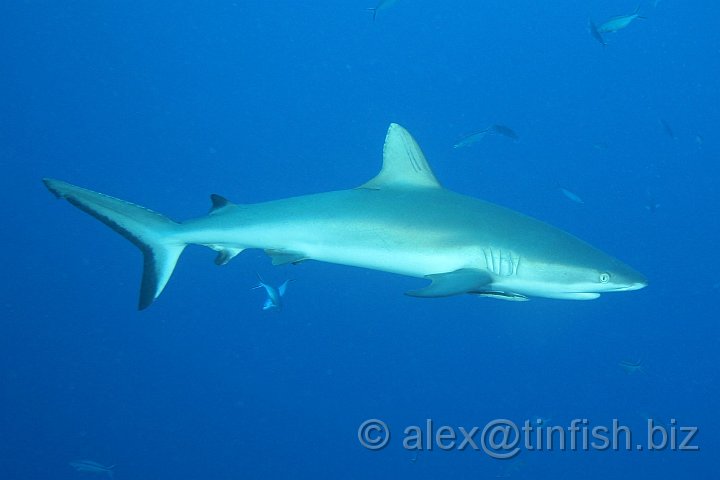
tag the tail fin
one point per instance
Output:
(151, 232)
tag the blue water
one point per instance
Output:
(163, 103)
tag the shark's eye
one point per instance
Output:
(604, 277)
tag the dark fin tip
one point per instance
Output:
(223, 258)
(218, 201)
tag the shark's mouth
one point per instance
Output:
(628, 288)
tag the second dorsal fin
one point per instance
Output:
(218, 202)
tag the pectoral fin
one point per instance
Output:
(465, 280)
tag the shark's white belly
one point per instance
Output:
(408, 262)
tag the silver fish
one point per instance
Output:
(571, 196)
(475, 137)
(472, 138)
(619, 22)
(667, 129)
(90, 466)
(274, 298)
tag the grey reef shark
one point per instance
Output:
(402, 221)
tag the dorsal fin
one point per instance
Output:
(404, 164)
(218, 202)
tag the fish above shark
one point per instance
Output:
(570, 195)
(618, 22)
(475, 137)
(401, 221)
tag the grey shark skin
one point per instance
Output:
(402, 221)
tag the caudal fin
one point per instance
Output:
(151, 232)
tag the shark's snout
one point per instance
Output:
(629, 280)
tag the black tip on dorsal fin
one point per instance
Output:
(218, 202)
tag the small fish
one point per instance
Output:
(651, 205)
(475, 137)
(595, 33)
(667, 129)
(637, 367)
(89, 466)
(274, 295)
(571, 196)
(619, 22)
(505, 131)
(382, 5)
(472, 138)
(631, 367)
(699, 140)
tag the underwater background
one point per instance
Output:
(163, 103)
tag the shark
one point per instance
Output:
(402, 221)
